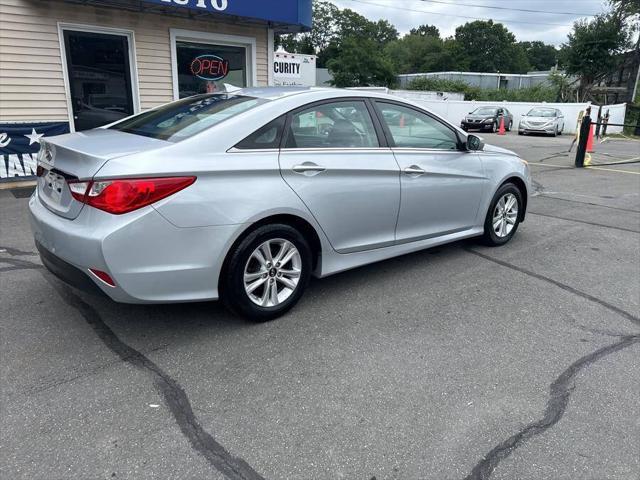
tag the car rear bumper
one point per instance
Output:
(66, 272)
(150, 259)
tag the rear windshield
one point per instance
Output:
(184, 118)
(485, 111)
(541, 112)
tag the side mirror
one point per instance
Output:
(474, 143)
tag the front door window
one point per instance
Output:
(205, 68)
(99, 78)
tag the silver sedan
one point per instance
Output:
(243, 196)
(542, 120)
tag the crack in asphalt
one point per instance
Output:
(561, 285)
(175, 398)
(17, 264)
(14, 252)
(560, 390)
(584, 221)
(559, 395)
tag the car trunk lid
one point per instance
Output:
(80, 156)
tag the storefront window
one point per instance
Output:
(204, 68)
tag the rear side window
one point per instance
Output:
(266, 137)
(185, 118)
(345, 124)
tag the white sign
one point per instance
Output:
(292, 69)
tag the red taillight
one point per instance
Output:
(125, 195)
(104, 276)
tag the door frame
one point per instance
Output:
(133, 69)
(208, 38)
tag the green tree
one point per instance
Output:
(416, 53)
(350, 24)
(426, 31)
(355, 66)
(540, 55)
(592, 49)
(485, 46)
(322, 32)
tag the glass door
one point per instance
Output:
(99, 77)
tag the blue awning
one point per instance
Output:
(292, 15)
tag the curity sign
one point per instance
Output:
(294, 15)
(210, 67)
(294, 70)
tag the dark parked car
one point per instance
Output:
(487, 118)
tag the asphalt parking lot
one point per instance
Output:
(461, 362)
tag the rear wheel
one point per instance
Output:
(503, 216)
(510, 126)
(266, 273)
(494, 127)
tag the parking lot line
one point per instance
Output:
(551, 165)
(613, 170)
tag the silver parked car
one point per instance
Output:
(243, 196)
(542, 120)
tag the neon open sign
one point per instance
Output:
(210, 67)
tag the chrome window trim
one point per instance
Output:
(337, 149)
(426, 150)
(252, 150)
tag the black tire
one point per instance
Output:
(490, 238)
(510, 126)
(494, 127)
(465, 129)
(520, 133)
(232, 289)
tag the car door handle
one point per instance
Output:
(414, 170)
(308, 167)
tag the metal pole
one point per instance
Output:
(585, 126)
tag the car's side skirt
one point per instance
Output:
(333, 262)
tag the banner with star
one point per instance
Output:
(19, 145)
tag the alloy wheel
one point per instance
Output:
(272, 272)
(505, 215)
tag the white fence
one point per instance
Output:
(454, 110)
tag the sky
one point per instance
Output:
(447, 15)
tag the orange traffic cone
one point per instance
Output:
(501, 130)
(592, 131)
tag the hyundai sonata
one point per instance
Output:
(243, 196)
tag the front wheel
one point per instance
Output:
(503, 216)
(510, 126)
(266, 273)
(494, 127)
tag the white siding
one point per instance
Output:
(31, 74)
